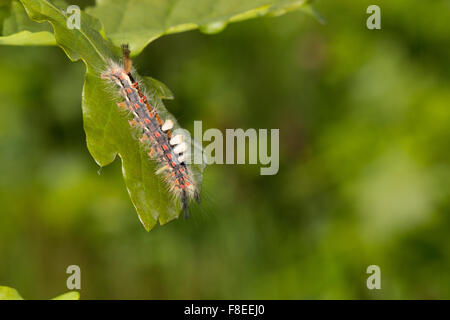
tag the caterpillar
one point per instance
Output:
(169, 150)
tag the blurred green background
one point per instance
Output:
(364, 119)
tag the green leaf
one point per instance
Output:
(160, 88)
(138, 22)
(71, 295)
(7, 293)
(107, 130)
(16, 28)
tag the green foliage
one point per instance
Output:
(16, 28)
(7, 293)
(71, 295)
(364, 176)
(107, 132)
(140, 22)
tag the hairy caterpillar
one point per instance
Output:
(171, 151)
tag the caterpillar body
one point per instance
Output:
(168, 149)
